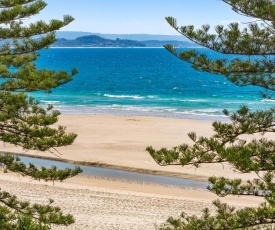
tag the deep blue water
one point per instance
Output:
(144, 81)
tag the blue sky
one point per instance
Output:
(138, 16)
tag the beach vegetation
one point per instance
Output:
(23, 122)
(246, 143)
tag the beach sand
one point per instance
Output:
(119, 142)
(108, 204)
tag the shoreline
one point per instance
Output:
(70, 110)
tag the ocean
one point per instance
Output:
(142, 82)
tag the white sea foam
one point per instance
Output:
(160, 109)
(176, 99)
(195, 100)
(50, 102)
(200, 113)
(152, 97)
(170, 110)
(187, 100)
(269, 100)
(116, 109)
(123, 96)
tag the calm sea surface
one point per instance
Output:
(144, 81)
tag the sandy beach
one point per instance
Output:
(119, 142)
(108, 204)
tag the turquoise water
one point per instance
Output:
(144, 81)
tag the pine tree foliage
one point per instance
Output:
(255, 40)
(22, 121)
(249, 61)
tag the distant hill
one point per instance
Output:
(97, 41)
(157, 43)
(137, 37)
(71, 35)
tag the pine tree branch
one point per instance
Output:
(9, 4)
(14, 164)
(254, 66)
(45, 214)
(253, 8)
(38, 28)
(226, 218)
(22, 121)
(28, 46)
(18, 12)
(253, 40)
(225, 145)
(239, 72)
